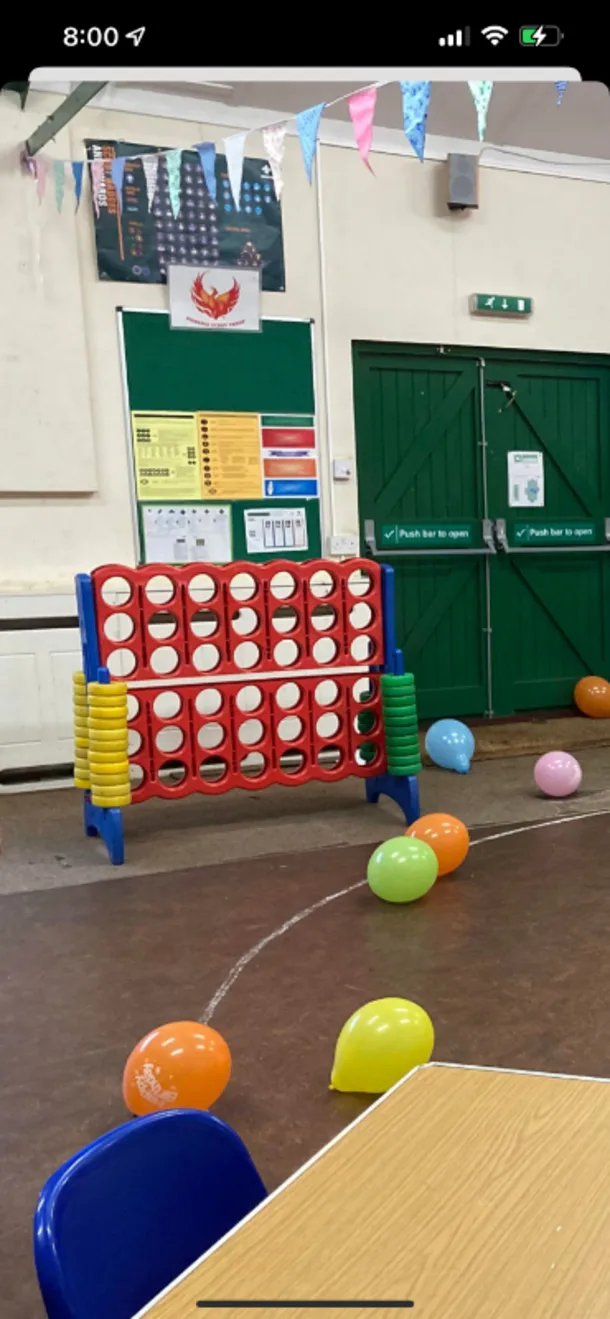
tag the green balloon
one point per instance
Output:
(402, 869)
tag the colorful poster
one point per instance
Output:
(275, 530)
(230, 452)
(289, 460)
(179, 534)
(525, 479)
(165, 455)
(136, 244)
(202, 298)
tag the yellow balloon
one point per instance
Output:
(379, 1044)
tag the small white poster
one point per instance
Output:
(180, 533)
(214, 298)
(525, 479)
(276, 530)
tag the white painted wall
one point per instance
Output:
(395, 266)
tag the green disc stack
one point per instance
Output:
(400, 723)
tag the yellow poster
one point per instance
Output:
(166, 455)
(230, 455)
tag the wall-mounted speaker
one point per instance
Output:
(463, 182)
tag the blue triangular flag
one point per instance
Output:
(117, 170)
(415, 106)
(207, 156)
(77, 174)
(561, 86)
(308, 122)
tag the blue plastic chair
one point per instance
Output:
(119, 1221)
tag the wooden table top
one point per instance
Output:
(473, 1193)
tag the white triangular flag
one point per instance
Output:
(274, 142)
(150, 165)
(235, 146)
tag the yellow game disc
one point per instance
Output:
(101, 735)
(102, 712)
(108, 757)
(108, 802)
(78, 679)
(81, 728)
(108, 689)
(82, 783)
(119, 770)
(81, 742)
(107, 725)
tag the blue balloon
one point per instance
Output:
(450, 745)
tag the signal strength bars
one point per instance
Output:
(459, 38)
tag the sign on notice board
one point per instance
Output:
(525, 478)
(214, 298)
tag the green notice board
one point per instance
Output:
(222, 429)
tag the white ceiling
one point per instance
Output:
(523, 115)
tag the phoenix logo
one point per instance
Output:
(212, 303)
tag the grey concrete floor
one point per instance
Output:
(44, 845)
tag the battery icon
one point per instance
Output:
(543, 35)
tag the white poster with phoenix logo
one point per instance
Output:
(214, 298)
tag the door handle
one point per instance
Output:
(378, 552)
(499, 527)
(501, 536)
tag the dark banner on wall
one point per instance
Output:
(136, 242)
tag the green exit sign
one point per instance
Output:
(427, 535)
(553, 533)
(499, 304)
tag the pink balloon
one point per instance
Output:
(557, 774)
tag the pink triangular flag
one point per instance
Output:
(362, 110)
(97, 182)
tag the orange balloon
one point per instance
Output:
(592, 696)
(448, 838)
(182, 1065)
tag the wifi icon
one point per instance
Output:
(495, 34)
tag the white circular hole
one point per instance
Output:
(285, 618)
(250, 732)
(246, 655)
(292, 761)
(136, 777)
(359, 582)
(165, 659)
(208, 701)
(321, 583)
(119, 627)
(249, 699)
(282, 585)
(323, 617)
(360, 615)
(172, 773)
(328, 725)
(330, 757)
(285, 653)
(202, 588)
(134, 741)
(325, 650)
(162, 625)
(167, 705)
(213, 769)
(121, 662)
(169, 739)
(362, 649)
(253, 765)
(326, 692)
(204, 623)
(211, 736)
(245, 621)
(288, 695)
(133, 706)
(243, 587)
(116, 591)
(206, 658)
(363, 690)
(159, 589)
(290, 728)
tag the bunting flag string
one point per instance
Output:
(173, 161)
(235, 147)
(274, 142)
(481, 95)
(415, 106)
(308, 123)
(361, 105)
(362, 113)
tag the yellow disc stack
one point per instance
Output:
(81, 731)
(107, 729)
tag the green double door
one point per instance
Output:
(484, 480)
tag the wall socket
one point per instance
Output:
(343, 469)
(344, 545)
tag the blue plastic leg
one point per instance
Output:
(107, 822)
(404, 791)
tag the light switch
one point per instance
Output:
(343, 469)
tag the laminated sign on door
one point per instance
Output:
(525, 479)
